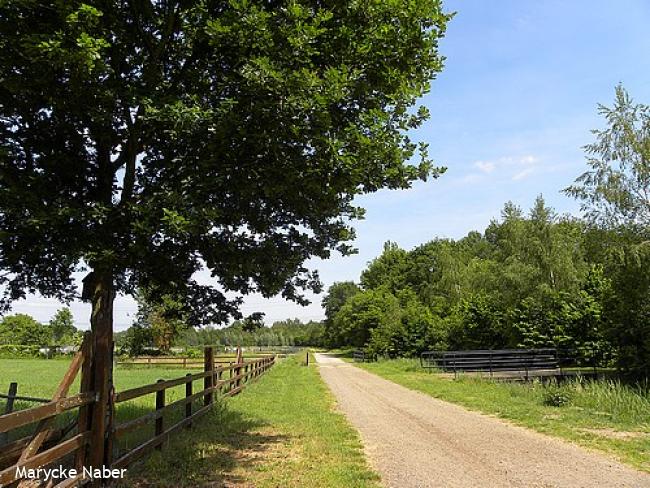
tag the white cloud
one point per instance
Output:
(522, 174)
(522, 166)
(485, 166)
(529, 160)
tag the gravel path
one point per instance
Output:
(414, 440)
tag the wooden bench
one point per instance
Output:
(363, 357)
(503, 360)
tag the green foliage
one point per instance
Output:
(290, 332)
(627, 309)
(477, 323)
(62, 328)
(532, 280)
(24, 330)
(334, 299)
(150, 142)
(416, 330)
(615, 189)
(18, 351)
(160, 319)
(365, 312)
(389, 270)
(253, 322)
(135, 340)
(556, 397)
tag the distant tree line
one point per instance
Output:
(22, 329)
(528, 280)
(140, 339)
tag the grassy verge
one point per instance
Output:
(281, 431)
(606, 416)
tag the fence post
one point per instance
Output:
(160, 404)
(188, 405)
(307, 358)
(9, 407)
(100, 412)
(231, 374)
(85, 385)
(208, 367)
(238, 368)
(110, 413)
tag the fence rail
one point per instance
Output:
(182, 361)
(240, 373)
(48, 444)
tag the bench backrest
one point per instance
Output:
(362, 356)
(491, 360)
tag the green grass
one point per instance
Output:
(280, 431)
(603, 415)
(40, 378)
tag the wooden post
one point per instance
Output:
(188, 405)
(231, 373)
(219, 378)
(9, 407)
(110, 414)
(102, 294)
(160, 404)
(307, 359)
(85, 386)
(11, 394)
(208, 366)
(238, 369)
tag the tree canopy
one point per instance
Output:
(150, 140)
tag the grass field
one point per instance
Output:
(40, 377)
(280, 431)
(605, 416)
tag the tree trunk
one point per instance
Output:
(101, 323)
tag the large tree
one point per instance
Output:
(150, 139)
(147, 140)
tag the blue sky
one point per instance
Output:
(509, 116)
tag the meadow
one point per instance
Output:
(282, 430)
(605, 415)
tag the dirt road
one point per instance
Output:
(414, 440)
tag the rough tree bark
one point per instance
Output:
(101, 322)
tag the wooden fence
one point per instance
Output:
(72, 444)
(182, 361)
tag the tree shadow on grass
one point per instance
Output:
(220, 445)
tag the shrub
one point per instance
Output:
(556, 397)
